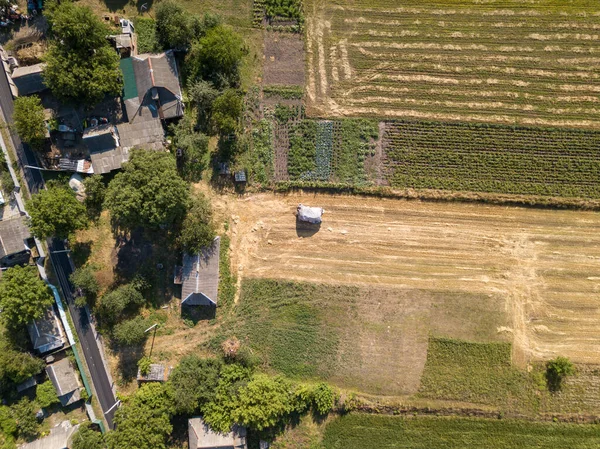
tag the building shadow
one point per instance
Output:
(304, 229)
(198, 313)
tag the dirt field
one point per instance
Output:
(284, 59)
(502, 61)
(543, 266)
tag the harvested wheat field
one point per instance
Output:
(501, 61)
(541, 266)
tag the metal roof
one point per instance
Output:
(58, 439)
(45, 332)
(29, 79)
(201, 276)
(129, 86)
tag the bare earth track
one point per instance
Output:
(542, 266)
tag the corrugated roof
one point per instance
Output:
(201, 276)
(45, 332)
(129, 85)
(143, 132)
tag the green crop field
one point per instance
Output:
(500, 61)
(360, 431)
(493, 158)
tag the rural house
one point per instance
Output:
(202, 437)
(199, 276)
(14, 242)
(29, 80)
(65, 380)
(45, 332)
(59, 438)
(151, 82)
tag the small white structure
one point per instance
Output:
(203, 437)
(310, 214)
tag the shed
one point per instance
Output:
(310, 214)
(65, 380)
(203, 437)
(29, 79)
(29, 383)
(45, 332)
(59, 438)
(14, 236)
(200, 276)
(158, 373)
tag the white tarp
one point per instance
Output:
(310, 214)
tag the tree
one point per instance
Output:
(226, 112)
(87, 438)
(263, 402)
(81, 67)
(198, 230)
(194, 382)
(216, 57)
(23, 296)
(147, 192)
(8, 425)
(323, 399)
(173, 25)
(95, 191)
(23, 412)
(113, 304)
(202, 94)
(194, 146)
(556, 370)
(56, 212)
(8, 185)
(30, 121)
(45, 394)
(16, 366)
(84, 279)
(143, 422)
(131, 332)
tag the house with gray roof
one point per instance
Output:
(29, 79)
(14, 241)
(64, 378)
(199, 276)
(45, 332)
(201, 436)
(151, 81)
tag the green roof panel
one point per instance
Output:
(129, 85)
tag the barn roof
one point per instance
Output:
(13, 234)
(45, 332)
(200, 276)
(29, 79)
(64, 378)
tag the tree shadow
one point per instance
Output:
(81, 252)
(304, 229)
(128, 358)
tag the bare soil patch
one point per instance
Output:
(284, 59)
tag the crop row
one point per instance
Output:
(493, 159)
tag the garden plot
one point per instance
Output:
(511, 62)
(284, 59)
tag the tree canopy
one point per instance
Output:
(56, 212)
(84, 279)
(81, 66)
(131, 332)
(29, 120)
(194, 146)
(113, 304)
(173, 25)
(95, 191)
(226, 112)
(16, 366)
(198, 229)
(194, 382)
(202, 94)
(23, 296)
(87, 438)
(216, 57)
(144, 421)
(45, 394)
(147, 192)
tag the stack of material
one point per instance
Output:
(310, 214)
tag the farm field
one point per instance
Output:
(542, 266)
(503, 61)
(357, 431)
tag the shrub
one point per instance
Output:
(323, 399)
(144, 365)
(198, 230)
(29, 120)
(45, 394)
(556, 370)
(131, 332)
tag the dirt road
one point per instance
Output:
(543, 265)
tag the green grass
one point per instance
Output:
(284, 92)
(493, 158)
(360, 431)
(284, 324)
(476, 372)
(227, 281)
(302, 154)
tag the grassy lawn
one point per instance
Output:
(371, 339)
(359, 431)
(475, 372)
